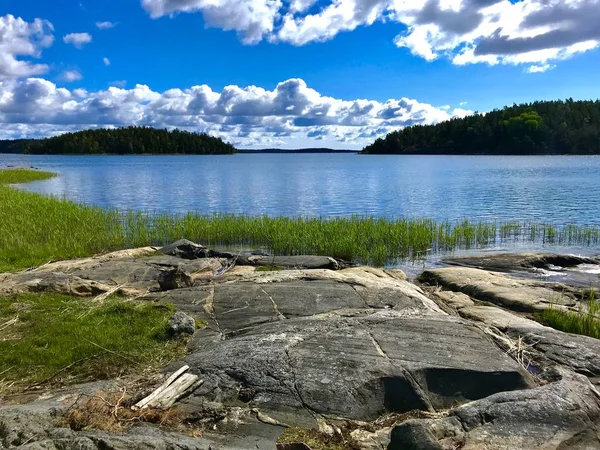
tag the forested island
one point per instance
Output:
(552, 127)
(122, 141)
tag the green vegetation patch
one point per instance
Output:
(36, 229)
(14, 176)
(585, 321)
(315, 440)
(556, 127)
(57, 338)
(123, 141)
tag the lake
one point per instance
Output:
(557, 189)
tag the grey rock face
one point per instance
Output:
(561, 415)
(518, 294)
(181, 324)
(300, 346)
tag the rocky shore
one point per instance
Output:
(362, 356)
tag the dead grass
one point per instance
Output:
(112, 412)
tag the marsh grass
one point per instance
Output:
(15, 176)
(35, 229)
(57, 338)
(585, 321)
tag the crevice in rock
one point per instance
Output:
(209, 308)
(275, 307)
(296, 391)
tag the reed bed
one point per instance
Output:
(35, 229)
(585, 321)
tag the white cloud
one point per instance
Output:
(71, 75)
(78, 39)
(248, 116)
(539, 69)
(106, 61)
(252, 19)
(19, 38)
(531, 32)
(105, 25)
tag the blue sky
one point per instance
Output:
(293, 73)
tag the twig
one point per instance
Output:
(9, 323)
(4, 371)
(116, 412)
(39, 383)
(111, 351)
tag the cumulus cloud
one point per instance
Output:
(248, 116)
(105, 25)
(531, 32)
(78, 39)
(19, 38)
(106, 61)
(252, 19)
(71, 75)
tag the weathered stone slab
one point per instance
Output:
(558, 416)
(356, 367)
(497, 317)
(513, 293)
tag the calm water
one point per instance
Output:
(548, 189)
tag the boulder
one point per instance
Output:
(180, 324)
(176, 278)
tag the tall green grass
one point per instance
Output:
(35, 229)
(58, 336)
(585, 321)
(14, 176)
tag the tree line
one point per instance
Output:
(122, 141)
(549, 127)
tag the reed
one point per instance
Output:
(35, 229)
(585, 321)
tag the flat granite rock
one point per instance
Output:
(513, 293)
(355, 367)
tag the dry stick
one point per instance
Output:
(142, 403)
(4, 371)
(112, 351)
(9, 323)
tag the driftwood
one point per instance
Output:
(175, 387)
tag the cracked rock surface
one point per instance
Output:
(307, 346)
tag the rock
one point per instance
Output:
(413, 435)
(554, 416)
(185, 249)
(174, 279)
(291, 262)
(518, 262)
(354, 367)
(131, 272)
(497, 317)
(377, 440)
(180, 324)
(456, 300)
(517, 294)
(580, 353)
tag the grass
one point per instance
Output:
(15, 176)
(35, 229)
(584, 321)
(57, 338)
